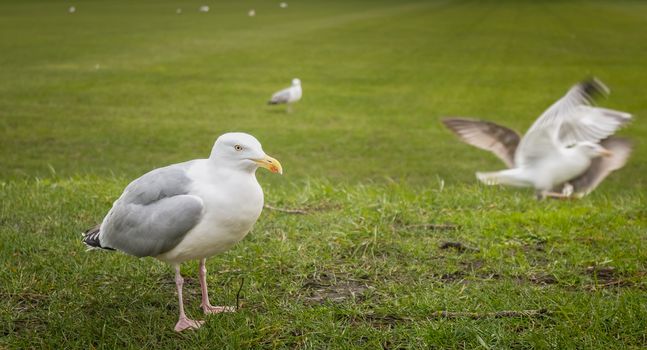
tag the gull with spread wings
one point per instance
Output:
(567, 152)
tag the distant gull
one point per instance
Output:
(568, 151)
(283, 5)
(204, 8)
(251, 13)
(72, 9)
(190, 210)
(178, 11)
(288, 95)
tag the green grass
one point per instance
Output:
(364, 151)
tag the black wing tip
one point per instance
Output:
(91, 238)
(593, 88)
(452, 121)
(460, 122)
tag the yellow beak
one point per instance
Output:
(270, 164)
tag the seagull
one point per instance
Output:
(283, 5)
(569, 147)
(251, 13)
(190, 210)
(204, 8)
(288, 95)
(72, 9)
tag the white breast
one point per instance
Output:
(560, 168)
(295, 94)
(232, 204)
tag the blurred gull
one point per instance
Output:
(251, 13)
(204, 8)
(190, 210)
(72, 9)
(569, 148)
(288, 95)
(283, 5)
(178, 11)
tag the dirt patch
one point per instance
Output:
(327, 287)
(535, 246)
(458, 246)
(608, 276)
(455, 276)
(543, 279)
(473, 265)
(389, 320)
(427, 226)
(603, 274)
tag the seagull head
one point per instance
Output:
(296, 82)
(592, 150)
(243, 151)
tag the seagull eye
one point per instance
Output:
(238, 148)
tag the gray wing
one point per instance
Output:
(282, 96)
(591, 124)
(569, 120)
(601, 167)
(153, 214)
(582, 94)
(486, 135)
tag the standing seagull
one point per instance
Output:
(561, 151)
(288, 95)
(190, 210)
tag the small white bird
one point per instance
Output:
(72, 9)
(288, 95)
(204, 8)
(561, 151)
(178, 11)
(283, 5)
(251, 13)
(190, 210)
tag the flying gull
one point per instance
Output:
(568, 151)
(288, 95)
(190, 210)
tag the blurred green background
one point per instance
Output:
(120, 88)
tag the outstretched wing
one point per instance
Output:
(601, 167)
(591, 124)
(153, 214)
(569, 120)
(486, 135)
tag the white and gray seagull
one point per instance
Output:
(567, 152)
(190, 210)
(288, 95)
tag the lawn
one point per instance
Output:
(91, 100)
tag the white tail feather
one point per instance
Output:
(489, 179)
(510, 177)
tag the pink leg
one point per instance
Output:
(184, 322)
(206, 306)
